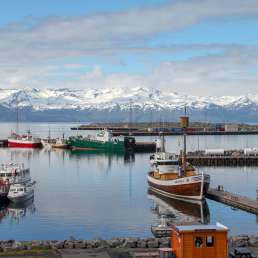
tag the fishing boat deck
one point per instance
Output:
(171, 175)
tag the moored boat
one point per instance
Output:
(103, 141)
(46, 144)
(176, 178)
(23, 141)
(163, 229)
(21, 192)
(60, 143)
(12, 174)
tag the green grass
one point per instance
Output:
(35, 252)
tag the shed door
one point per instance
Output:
(198, 246)
(210, 246)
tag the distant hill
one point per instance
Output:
(117, 105)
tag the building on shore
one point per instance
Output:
(198, 241)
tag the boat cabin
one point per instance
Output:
(200, 241)
(16, 188)
(104, 136)
(13, 172)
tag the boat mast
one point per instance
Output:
(130, 118)
(17, 115)
(184, 120)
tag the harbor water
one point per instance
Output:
(104, 195)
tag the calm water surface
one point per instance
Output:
(88, 195)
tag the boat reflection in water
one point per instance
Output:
(17, 211)
(178, 211)
(127, 157)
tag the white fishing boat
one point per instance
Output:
(21, 192)
(12, 174)
(46, 144)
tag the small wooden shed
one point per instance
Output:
(200, 241)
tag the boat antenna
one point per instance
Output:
(17, 114)
(184, 120)
(130, 117)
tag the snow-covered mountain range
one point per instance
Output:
(114, 104)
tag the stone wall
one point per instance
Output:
(73, 243)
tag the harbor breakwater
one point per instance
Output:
(97, 244)
(72, 243)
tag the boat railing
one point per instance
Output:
(11, 166)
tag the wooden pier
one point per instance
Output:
(209, 160)
(234, 200)
(139, 132)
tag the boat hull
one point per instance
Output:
(60, 146)
(21, 198)
(161, 232)
(192, 188)
(23, 144)
(91, 145)
(4, 189)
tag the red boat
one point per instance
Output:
(24, 141)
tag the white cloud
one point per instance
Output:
(106, 33)
(25, 52)
(231, 72)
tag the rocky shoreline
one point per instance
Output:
(97, 244)
(72, 243)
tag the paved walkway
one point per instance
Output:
(84, 253)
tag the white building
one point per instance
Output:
(231, 128)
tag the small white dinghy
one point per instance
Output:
(21, 192)
(163, 229)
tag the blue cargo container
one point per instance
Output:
(176, 130)
(160, 129)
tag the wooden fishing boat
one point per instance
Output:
(175, 177)
(60, 144)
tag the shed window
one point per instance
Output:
(209, 241)
(198, 241)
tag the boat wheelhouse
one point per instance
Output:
(21, 192)
(165, 161)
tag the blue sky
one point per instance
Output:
(198, 47)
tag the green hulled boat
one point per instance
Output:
(102, 142)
